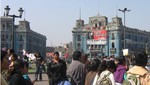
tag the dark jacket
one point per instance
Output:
(16, 79)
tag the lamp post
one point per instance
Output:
(13, 16)
(124, 11)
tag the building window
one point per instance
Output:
(113, 36)
(7, 36)
(3, 37)
(3, 26)
(79, 38)
(113, 45)
(20, 38)
(20, 46)
(95, 25)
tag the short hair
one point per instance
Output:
(3, 54)
(140, 58)
(77, 55)
(56, 53)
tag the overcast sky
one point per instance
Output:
(56, 18)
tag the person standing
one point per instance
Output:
(56, 59)
(16, 77)
(39, 62)
(57, 74)
(93, 68)
(77, 70)
(120, 70)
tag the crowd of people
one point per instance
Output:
(81, 71)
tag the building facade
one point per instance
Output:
(24, 37)
(102, 38)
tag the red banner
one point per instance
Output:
(99, 34)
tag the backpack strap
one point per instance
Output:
(108, 73)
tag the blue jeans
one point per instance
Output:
(38, 71)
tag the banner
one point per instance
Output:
(99, 34)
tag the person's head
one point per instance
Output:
(18, 67)
(111, 66)
(26, 67)
(94, 65)
(140, 58)
(84, 58)
(37, 54)
(116, 60)
(56, 56)
(4, 60)
(56, 72)
(77, 55)
(13, 57)
(121, 60)
(10, 51)
(102, 67)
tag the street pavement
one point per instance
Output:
(43, 82)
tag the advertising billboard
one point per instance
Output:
(99, 34)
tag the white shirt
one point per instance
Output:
(111, 76)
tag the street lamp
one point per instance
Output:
(124, 11)
(13, 16)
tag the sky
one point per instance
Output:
(56, 18)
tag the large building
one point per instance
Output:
(24, 37)
(102, 38)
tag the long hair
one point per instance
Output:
(102, 67)
(56, 73)
(18, 65)
(94, 65)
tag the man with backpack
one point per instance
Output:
(138, 74)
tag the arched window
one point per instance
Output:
(113, 45)
(79, 38)
(95, 24)
(113, 36)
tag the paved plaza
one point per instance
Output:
(43, 82)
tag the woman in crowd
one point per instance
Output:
(105, 69)
(25, 74)
(13, 57)
(57, 74)
(16, 77)
(93, 68)
(120, 71)
(4, 66)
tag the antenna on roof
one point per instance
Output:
(4, 14)
(80, 14)
(98, 7)
(24, 15)
(116, 10)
